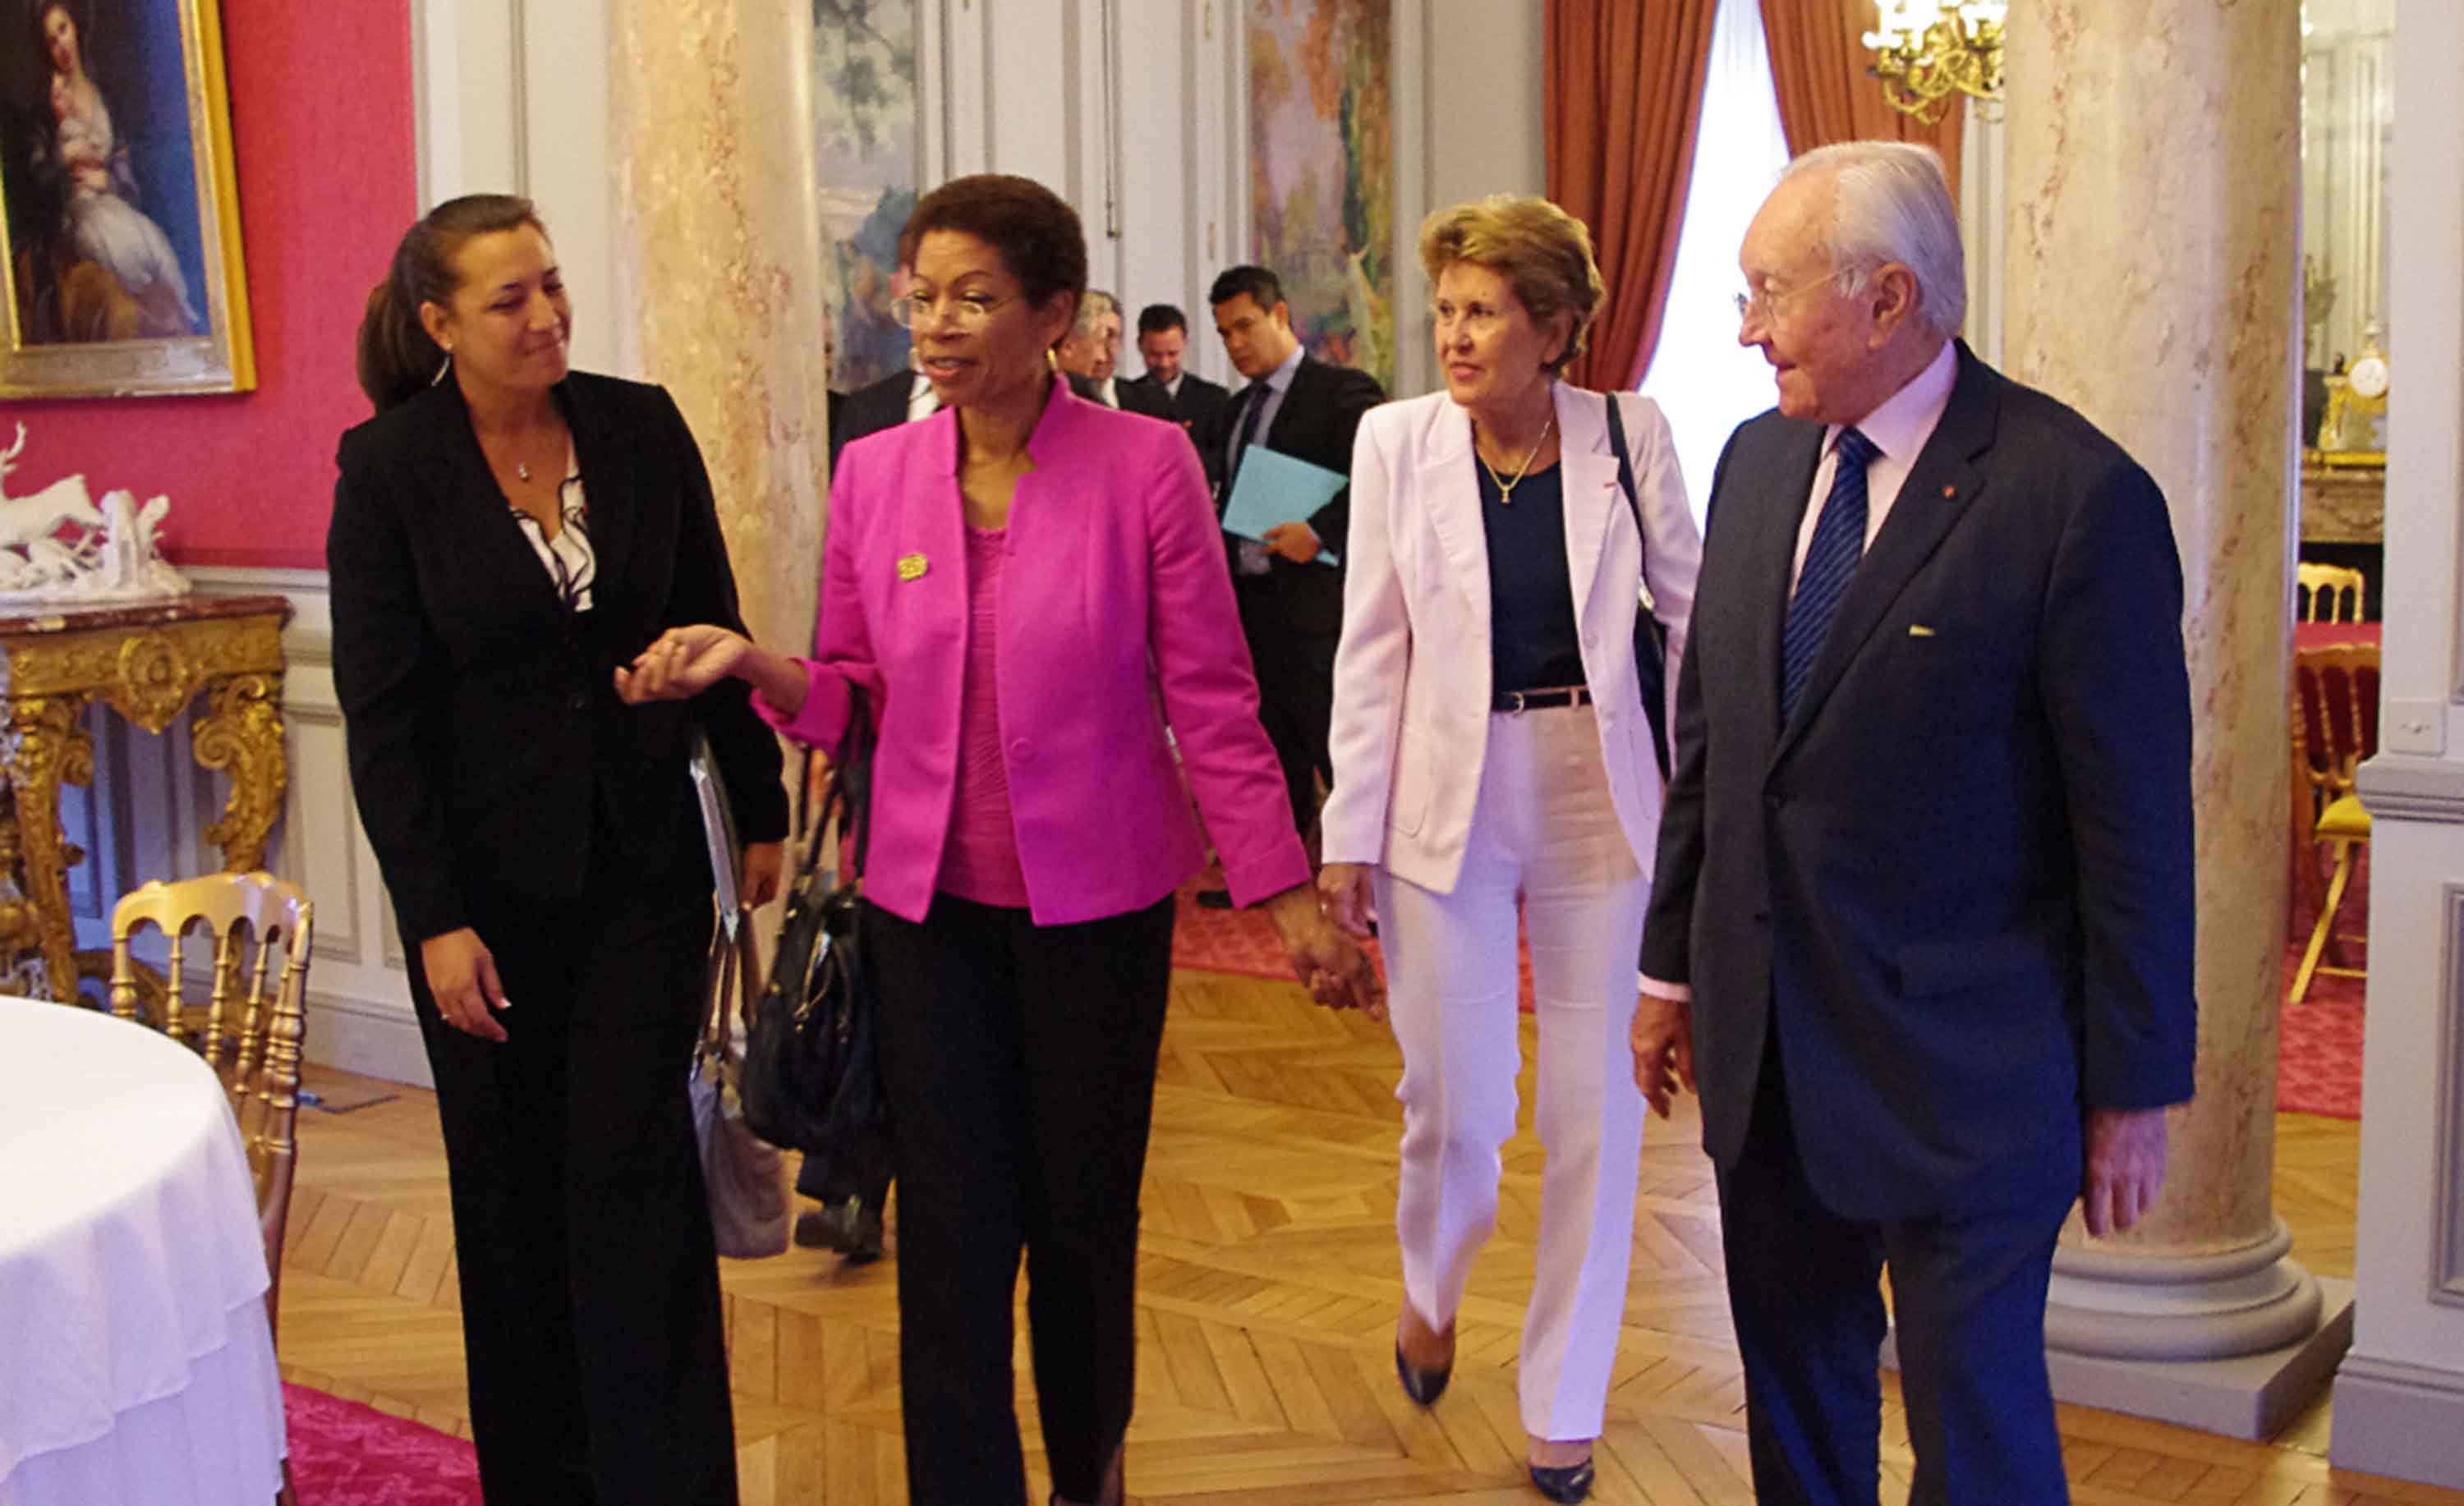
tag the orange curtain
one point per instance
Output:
(1625, 92)
(1821, 68)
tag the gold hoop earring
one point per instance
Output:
(1051, 361)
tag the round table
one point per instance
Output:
(140, 1364)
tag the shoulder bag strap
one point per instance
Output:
(1625, 484)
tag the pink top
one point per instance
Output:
(981, 862)
(1116, 619)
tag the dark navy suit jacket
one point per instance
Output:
(1958, 885)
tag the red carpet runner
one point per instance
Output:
(344, 1453)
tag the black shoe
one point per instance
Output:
(851, 1227)
(1215, 899)
(1423, 1387)
(1571, 1483)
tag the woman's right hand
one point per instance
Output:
(682, 663)
(1344, 886)
(462, 978)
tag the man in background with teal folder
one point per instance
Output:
(1291, 601)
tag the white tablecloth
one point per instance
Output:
(135, 1364)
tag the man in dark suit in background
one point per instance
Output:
(1090, 355)
(1921, 919)
(1163, 342)
(1291, 604)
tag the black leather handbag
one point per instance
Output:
(1650, 639)
(812, 1068)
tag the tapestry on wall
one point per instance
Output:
(865, 150)
(1322, 172)
(120, 250)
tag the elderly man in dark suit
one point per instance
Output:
(1923, 911)
(1291, 603)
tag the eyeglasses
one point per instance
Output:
(1764, 304)
(969, 310)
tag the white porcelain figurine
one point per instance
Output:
(58, 548)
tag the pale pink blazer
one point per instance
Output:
(1116, 618)
(1412, 674)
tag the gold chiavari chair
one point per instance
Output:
(248, 1028)
(2329, 594)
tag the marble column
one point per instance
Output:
(719, 270)
(2149, 280)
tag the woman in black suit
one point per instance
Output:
(505, 533)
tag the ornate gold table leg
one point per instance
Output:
(44, 748)
(241, 732)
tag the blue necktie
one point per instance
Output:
(1257, 395)
(1831, 563)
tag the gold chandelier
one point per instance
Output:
(1928, 50)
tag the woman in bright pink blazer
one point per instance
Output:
(1029, 587)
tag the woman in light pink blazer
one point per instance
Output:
(1491, 753)
(1029, 587)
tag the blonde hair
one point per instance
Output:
(1543, 253)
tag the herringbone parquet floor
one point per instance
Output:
(1268, 1297)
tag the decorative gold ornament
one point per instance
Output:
(1929, 49)
(146, 664)
(911, 567)
(2354, 431)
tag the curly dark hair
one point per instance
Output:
(1034, 229)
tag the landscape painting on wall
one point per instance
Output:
(865, 150)
(1322, 172)
(122, 233)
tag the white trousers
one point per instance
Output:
(1544, 832)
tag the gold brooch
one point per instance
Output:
(911, 567)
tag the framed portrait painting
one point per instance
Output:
(122, 267)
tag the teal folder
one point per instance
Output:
(1273, 487)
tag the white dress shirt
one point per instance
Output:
(1898, 429)
(1108, 394)
(922, 401)
(1172, 388)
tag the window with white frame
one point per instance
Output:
(1699, 376)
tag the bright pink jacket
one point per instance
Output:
(1115, 589)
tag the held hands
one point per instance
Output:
(681, 663)
(1344, 888)
(2125, 1167)
(1663, 1050)
(1339, 974)
(1296, 542)
(462, 977)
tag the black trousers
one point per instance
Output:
(1968, 1291)
(590, 1303)
(1019, 1061)
(1295, 668)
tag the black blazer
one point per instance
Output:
(1958, 885)
(1197, 401)
(487, 743)
(869, 410)
(1138, 396)
(1318, 419)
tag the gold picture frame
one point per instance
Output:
(121, 269)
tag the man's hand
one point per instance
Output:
(1663, 1050)
(2125, 1167)
(1296, 542)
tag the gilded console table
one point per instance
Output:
(147, 663)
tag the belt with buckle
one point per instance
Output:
(1539, 700)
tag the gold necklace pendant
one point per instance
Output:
(1505, 487)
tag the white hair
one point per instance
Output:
(1091, 309)
(1893, 204)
